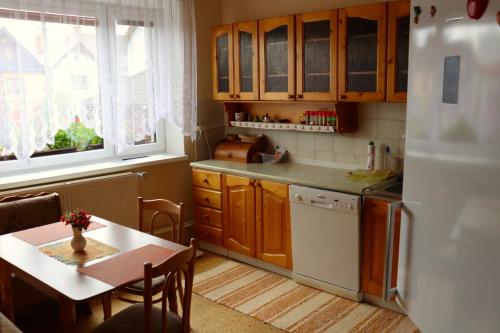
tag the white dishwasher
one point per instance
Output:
(326, 240)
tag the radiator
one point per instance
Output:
(112, 197)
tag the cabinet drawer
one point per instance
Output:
(209, 234)
(206, 179)
(208, 216)
(207, 198)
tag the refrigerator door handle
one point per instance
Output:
(387, 291)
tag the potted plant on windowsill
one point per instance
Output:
(79, 219)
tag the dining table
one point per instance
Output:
(66, 283)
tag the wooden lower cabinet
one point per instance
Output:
(239, 214)
(256, 219)
(374, 242)
(273, 223)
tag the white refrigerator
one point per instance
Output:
(449, 259)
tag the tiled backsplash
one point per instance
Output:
(384, 123)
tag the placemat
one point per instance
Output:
(50, 232)
(127, 267)
(63, 251)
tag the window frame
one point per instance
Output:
(110, 151)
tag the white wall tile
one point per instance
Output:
(343, 144)
(304, 153)
(323, 156)
(367, 110)
(323, 142)
(343, 158)
(305, 140)
(361, 145)
(389, 111)
(388, 129)
(367, 128)
(288, 140)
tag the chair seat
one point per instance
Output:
(139, 286)
(132, 320)
(6, 326)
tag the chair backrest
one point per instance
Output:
(28, 211)
(180, 264)
(174, 213)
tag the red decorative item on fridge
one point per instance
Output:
(476, 8)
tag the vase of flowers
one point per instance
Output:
(79, 220)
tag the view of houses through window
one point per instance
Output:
(51, 69)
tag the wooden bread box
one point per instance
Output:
(240, 151)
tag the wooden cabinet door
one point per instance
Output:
(246, 73)
(374, 242)
(362, 53)
(398, 35)
(273, 223)
(222, 62)
(239, 214)
(276, 58)
(317, 56)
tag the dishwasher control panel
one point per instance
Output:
(325, 199)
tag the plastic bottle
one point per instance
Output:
(387, 158)
(370, 165)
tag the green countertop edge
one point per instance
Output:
(333, 179)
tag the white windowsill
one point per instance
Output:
(39, 177)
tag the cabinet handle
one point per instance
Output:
(230, 155)
(343, 96)
(207, 199)
(291, 96)
(231, 95)
(300, 96)
(238, 96)
(206, 181)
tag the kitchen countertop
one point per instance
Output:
(292, 173)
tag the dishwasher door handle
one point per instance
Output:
(321, 204)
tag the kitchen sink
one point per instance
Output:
(391, 189)
(396, 188)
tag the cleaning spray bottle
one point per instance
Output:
(370, 165)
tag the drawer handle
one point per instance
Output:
(206, 217)
(206, 234)
(230, 155)
(207, 199)
(206, 181)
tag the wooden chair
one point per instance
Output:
(28, 211)
(175, 215)
(144, 317)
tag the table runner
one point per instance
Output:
(127, 267)
(63, 251)
(50, 232)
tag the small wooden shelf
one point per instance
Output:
(284, 126)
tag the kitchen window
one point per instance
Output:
(90, 75)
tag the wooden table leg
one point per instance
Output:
(106, 305)
(67, 314)
(6, 305)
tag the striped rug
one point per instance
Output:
(290, 306)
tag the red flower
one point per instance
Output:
(78, 218)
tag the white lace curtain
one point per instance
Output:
(118, 66)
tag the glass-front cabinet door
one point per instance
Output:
(246, 72)
(317, 56)
(222, 62)
(276, 58)
(398, 35)
(362, 53)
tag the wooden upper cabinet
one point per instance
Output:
(398, 35)
(317, 56)
(222, 62)
(239, 214)
(246, 72)
(276, 58)
(374, 243)
(273, 223)
(362, 53)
